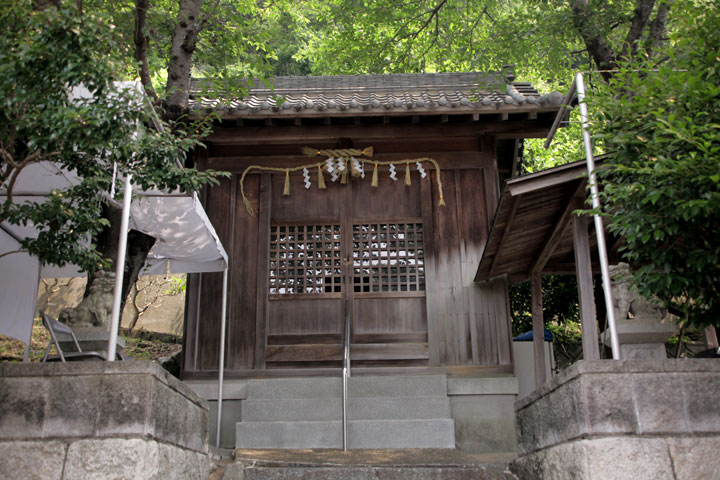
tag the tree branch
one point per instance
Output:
(11, 252)
(640, 19)
(596, 44)
(141, 43)
(657, 26)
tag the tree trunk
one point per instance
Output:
(95, 307)
(182, 48)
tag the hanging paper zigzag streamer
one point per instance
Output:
(306, 177)
(330, 166)
(421, 170)
(340, 164)
(357, 168)
(393, 174)
(362, 169)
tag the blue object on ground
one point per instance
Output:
(528, 336)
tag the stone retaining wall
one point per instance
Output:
(655, 419)
(99, 420)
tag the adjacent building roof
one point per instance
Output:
(532, 225)
(393, 94)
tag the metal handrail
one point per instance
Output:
(345, 376)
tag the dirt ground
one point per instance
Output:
(12, 350)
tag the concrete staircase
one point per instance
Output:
(407, 411)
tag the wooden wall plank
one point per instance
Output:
(244, 264)
(261, 297)
(432, 282)
(218, 202)
(389, 315)
(305, 316)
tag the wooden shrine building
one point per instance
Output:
(362, 202)
(391, 257)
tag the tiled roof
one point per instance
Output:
(340, 95)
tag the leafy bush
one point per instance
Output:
(661, 123)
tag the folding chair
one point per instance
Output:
(54, 328)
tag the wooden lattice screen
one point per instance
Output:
(388, 257)
(305, 259)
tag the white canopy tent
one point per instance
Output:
(186, 242)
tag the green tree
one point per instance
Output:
(45, 55)
(660, 119)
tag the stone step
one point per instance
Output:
(423, 433)
(369, 472)
(358, 386)
(406, 464)
(364, 408)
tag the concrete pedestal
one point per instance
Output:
(642, 339)
(634, 419)
(93, 420)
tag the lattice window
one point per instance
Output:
(305, 259)
(388, 257)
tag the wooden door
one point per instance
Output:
(350, 250)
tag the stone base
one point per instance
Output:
(642, 419)
(643, 351)
(97, 420)
(620, 458)
(116, 458)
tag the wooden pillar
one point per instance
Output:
(583, 270)
(538, 328)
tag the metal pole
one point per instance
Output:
(599, 227)
(345, 376)
(119, 271)
(221, 368)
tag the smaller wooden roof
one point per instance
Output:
(532, 226)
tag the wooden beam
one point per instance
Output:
(514, 202)
(542, 182)
(307, 133)
(583, 270)
(538, 329)
(557, 232)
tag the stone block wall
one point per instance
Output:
(654, 419)
(87, 420)
(482, 408)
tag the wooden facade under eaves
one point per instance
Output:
(400, 265)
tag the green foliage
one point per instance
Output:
(382, 36)
(559, 302)
(661, 123)
(178, 284)
(46, 58)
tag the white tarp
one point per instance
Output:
(18, 289)
(186, 243)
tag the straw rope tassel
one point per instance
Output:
(286, 191)
(374, 182)
(407, 174)
(321, 178)
(343, 179)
